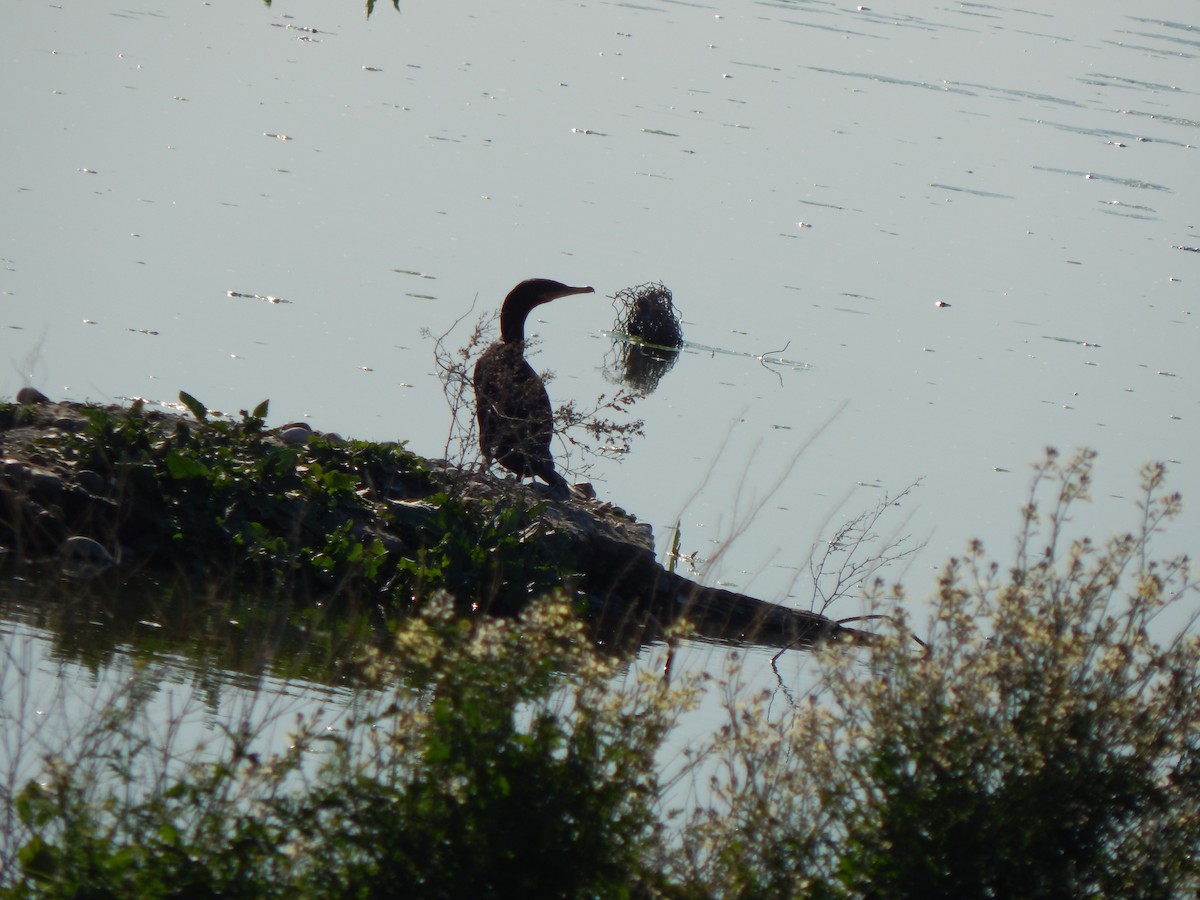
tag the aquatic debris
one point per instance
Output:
(647, 312)
(1076, 341)
(266, 299)
(653, 335)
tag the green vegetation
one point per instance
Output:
(247, 548)
(1042, 745)
(1043, 740)
(229, 500)
(473, 769)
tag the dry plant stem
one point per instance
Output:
(606, 437)
(742, 520)
(454, 369)
(853, 541)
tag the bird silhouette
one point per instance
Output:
(516, 421)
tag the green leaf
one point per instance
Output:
(335, 481)
(195, 407)
(260, 411)
(183, 467)
(33, 805)
(38, 858)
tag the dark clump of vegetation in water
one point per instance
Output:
(1042, 742)
(649, 335)
(647, 313)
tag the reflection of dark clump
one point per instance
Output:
(646, 312)
(649, 325)
(643, 367)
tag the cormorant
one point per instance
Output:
(516, 422)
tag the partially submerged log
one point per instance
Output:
(626, 583)
(115, 491)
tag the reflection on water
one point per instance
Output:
(165, 711)
(638, 366)
(802, 175)
(647, 336)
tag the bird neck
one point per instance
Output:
(512, 323)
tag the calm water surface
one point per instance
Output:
(812, 176)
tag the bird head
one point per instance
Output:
(524, 297)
